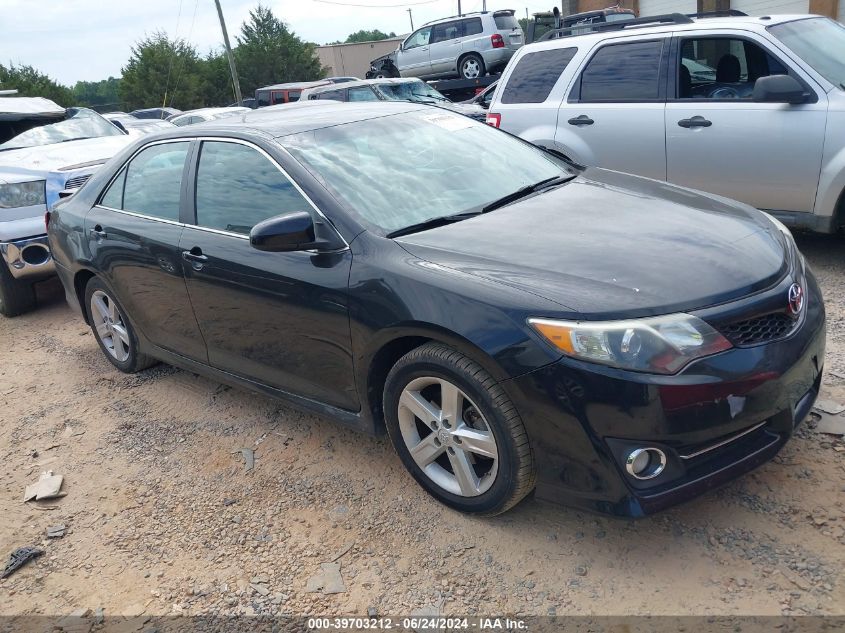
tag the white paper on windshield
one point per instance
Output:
(448, 121)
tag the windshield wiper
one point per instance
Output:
(76, 138)
(527, 191)
(432, 223)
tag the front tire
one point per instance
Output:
(112, 329)
(17, 296)
(471, 67)
(457, 432)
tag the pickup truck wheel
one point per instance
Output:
(112, 329)
(471, 67)
(17, 296)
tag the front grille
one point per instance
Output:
(77, 181)
(762, 329)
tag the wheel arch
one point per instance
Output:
(466, 54)
(80, 281)
(395, 343)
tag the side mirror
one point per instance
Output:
(294, 231)
(778, 89)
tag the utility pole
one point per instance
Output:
(410, 15)
(484, 5)
(232, 68)
(459, 8)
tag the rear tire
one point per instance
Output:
(17, 296)
(473, 455)
(112, 329)
(471, 67)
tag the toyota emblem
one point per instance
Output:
(796, 299)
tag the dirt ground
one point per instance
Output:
(164, 518)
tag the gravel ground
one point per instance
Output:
(164, 516)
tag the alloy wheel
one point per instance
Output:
(110, 326)
(448, 437)
(471, 69)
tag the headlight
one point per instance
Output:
(22, 194)
(660, 345)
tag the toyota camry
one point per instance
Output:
(514, 322)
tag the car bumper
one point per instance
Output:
(720, 417)
(28, 258)
(496, 58)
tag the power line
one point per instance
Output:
(182, 64)
(170, 65)
(377, 6)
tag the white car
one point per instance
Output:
(40, 142)
(205, 114)
(750, 108)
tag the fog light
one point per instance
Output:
(645, 463)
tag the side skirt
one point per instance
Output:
(349, 419)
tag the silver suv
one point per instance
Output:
(752, 108)
(468, 46)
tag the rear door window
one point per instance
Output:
(623, 72)
(472, 26)
(362, 94)
(536, 74)
(337, 95)
(152, 184)
(238, 187)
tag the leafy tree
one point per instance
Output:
(216, 80)
(268, 53)
(162, 71)
(31, 83)
(368, 36)
(102, 95)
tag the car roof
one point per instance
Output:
(211, 111)
(295, 85)
(10, 107)
(496, 13)
(365, 82)
(695, 24)
(293, 118)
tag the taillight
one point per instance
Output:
(497, 40)
(47, 220)
(494, 119)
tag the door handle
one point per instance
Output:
(696, 121)
(194, 255)
(581, 120)
(98, 233)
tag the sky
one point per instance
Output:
(89, 40)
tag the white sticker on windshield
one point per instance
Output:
(448, 121)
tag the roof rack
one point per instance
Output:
(727, 13)
(579, 29)
(455, 17)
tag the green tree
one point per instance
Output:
(268, 53)
(162, 71)
(103, 95)
(216, 79)
(368, 36)
(31, 83)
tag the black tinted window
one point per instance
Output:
(337, 95)
(154, 181)
(445, 31)
(237, 187)
(472, 27)
(535, 75)
(623, 72)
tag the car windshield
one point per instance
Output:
(820, 42)
(80, 124)
(418, 91)
(400, 170)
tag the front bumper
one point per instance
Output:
(720, 417)
(28, 258)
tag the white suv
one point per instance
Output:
(468, 46)
(752, 108)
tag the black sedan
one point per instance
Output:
(514, 322)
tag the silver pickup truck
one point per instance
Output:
(44, 149)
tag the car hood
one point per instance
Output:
(610, 245)
(467, 109)
(33, 163)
